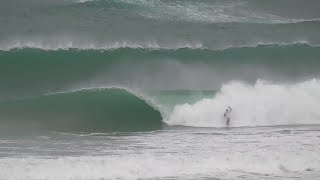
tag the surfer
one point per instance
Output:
(226, 115)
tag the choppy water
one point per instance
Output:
(288, 152)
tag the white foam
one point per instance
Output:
(261, 104)
(64, 44)
(139, 166)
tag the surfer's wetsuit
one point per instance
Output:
(226, 115)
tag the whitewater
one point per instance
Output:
(261, 104)
(136, 89)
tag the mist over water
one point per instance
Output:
(137, 89)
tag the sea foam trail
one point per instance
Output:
(261, 104)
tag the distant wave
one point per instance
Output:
(65, 45)
(152, 45)
(156, 49)
(152, 67)
(200, 11)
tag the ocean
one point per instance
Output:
(137, 89)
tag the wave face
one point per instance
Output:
(93, 110)
(262, 104)
(29, 72)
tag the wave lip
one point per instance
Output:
(263, 104)
(69, 44)
(92, 110)
(65, 44)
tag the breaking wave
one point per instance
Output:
(261, 104)
(114, 109)
(90, 110)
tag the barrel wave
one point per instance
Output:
(90, 110)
